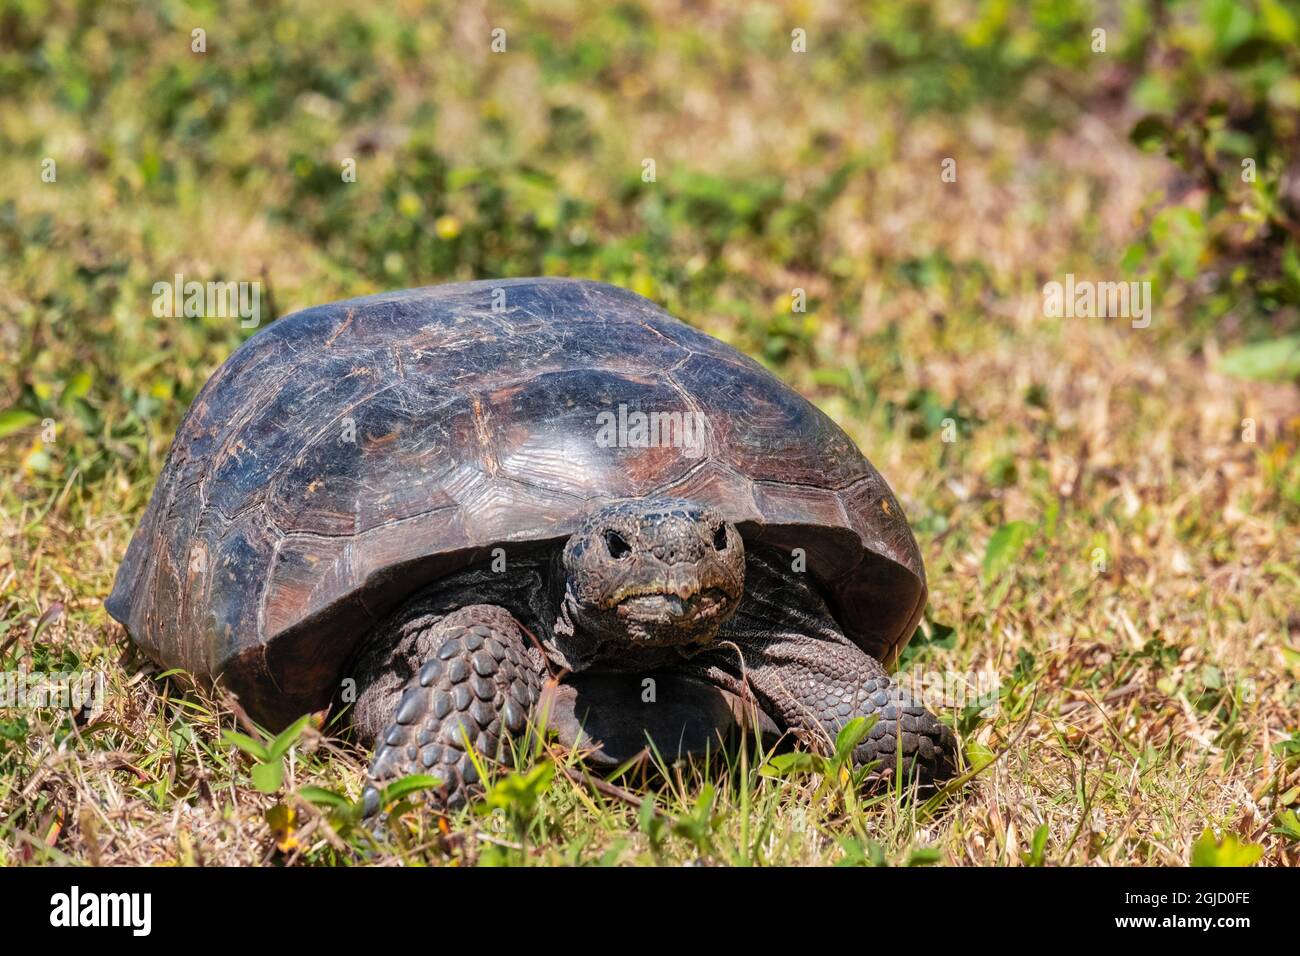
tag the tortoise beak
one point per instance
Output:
(684, 605)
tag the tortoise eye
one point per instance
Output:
(617, 545)
(720, 538)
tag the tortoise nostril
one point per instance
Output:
(617, 545)
(720, 538)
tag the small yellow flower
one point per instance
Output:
(409, 205)
(283, 819)
(447, 227)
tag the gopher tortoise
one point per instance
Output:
(465, 510)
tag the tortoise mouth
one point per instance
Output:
(672, 607)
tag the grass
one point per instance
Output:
(1099, 533)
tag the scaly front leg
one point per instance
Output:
(478, 678)
(814, 688)
(812, 680)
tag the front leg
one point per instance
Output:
(816, 688)
(785, 648)
(440, 686)
(813, 688)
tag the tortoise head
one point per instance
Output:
(652, 573)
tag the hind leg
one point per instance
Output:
(437, 686)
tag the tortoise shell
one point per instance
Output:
(348, 454)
